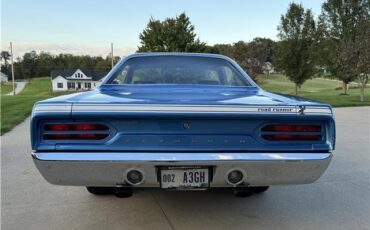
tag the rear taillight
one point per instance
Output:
(75, 136)
(75, 127)
(75, 131)
(292, 128)
(281, 132)
(291, 137)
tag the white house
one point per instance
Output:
(268, 68)
(4, 77)
(75, 79)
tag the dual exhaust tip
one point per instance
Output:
(233, 177)
(134, 177)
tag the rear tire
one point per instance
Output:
(101, 190)
(258, 189)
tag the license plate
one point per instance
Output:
(184, 178)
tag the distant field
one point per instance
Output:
(318, 89)
(14, 109)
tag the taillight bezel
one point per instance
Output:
(322, 133)
(107, 132)
(78, 126)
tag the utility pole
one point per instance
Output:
(111, 47)
(11, 54)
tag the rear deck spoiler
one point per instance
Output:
(84, 108)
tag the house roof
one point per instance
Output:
(95, 75)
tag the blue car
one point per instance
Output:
(180, 121)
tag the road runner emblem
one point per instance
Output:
(301, 109)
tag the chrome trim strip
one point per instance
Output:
(184, 108)
(65, 107)
(158, 108)
(315, 110)
(159, 157)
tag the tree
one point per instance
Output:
(43, 62)
(363, 64)
(294, 53)
(29, 65)
(34, 64)
(250, 56)
(5, 56)
(171, 35)
(105, 65)
(262, 49)
(246, 58)
(224, 49)
(339, 27)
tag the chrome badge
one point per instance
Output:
(301, 109)
(186, 125)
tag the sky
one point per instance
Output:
(89, 26)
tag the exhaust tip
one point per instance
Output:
(134, 177)
(235, 177)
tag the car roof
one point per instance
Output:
(182, 54)
(178, 54)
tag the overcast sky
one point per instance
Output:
(89, 26)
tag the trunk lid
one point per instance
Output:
(188, 119)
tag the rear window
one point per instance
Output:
(178, 70)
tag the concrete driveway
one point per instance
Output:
(19, 86)
(339, 200)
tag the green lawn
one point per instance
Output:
(6, 88)
(322, 90)
(14, 109)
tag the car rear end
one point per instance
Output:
(181, 146)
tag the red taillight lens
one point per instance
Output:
(75, 127)
(288, 132)
(291, 137)
(57, 127)
(89, 127)
(291, 128)
(75, 131)
(82, 136)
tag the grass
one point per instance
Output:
(14, 109)
(317, 89)
(6, 88)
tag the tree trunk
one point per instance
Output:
(362, 92)
(345, 88)
(296, 89)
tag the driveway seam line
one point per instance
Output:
(164, 213)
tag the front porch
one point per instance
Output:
(80, 85)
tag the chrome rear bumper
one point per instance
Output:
(109, 169)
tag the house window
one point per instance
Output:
(88, 85)
(71, 85)
(60, 85)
